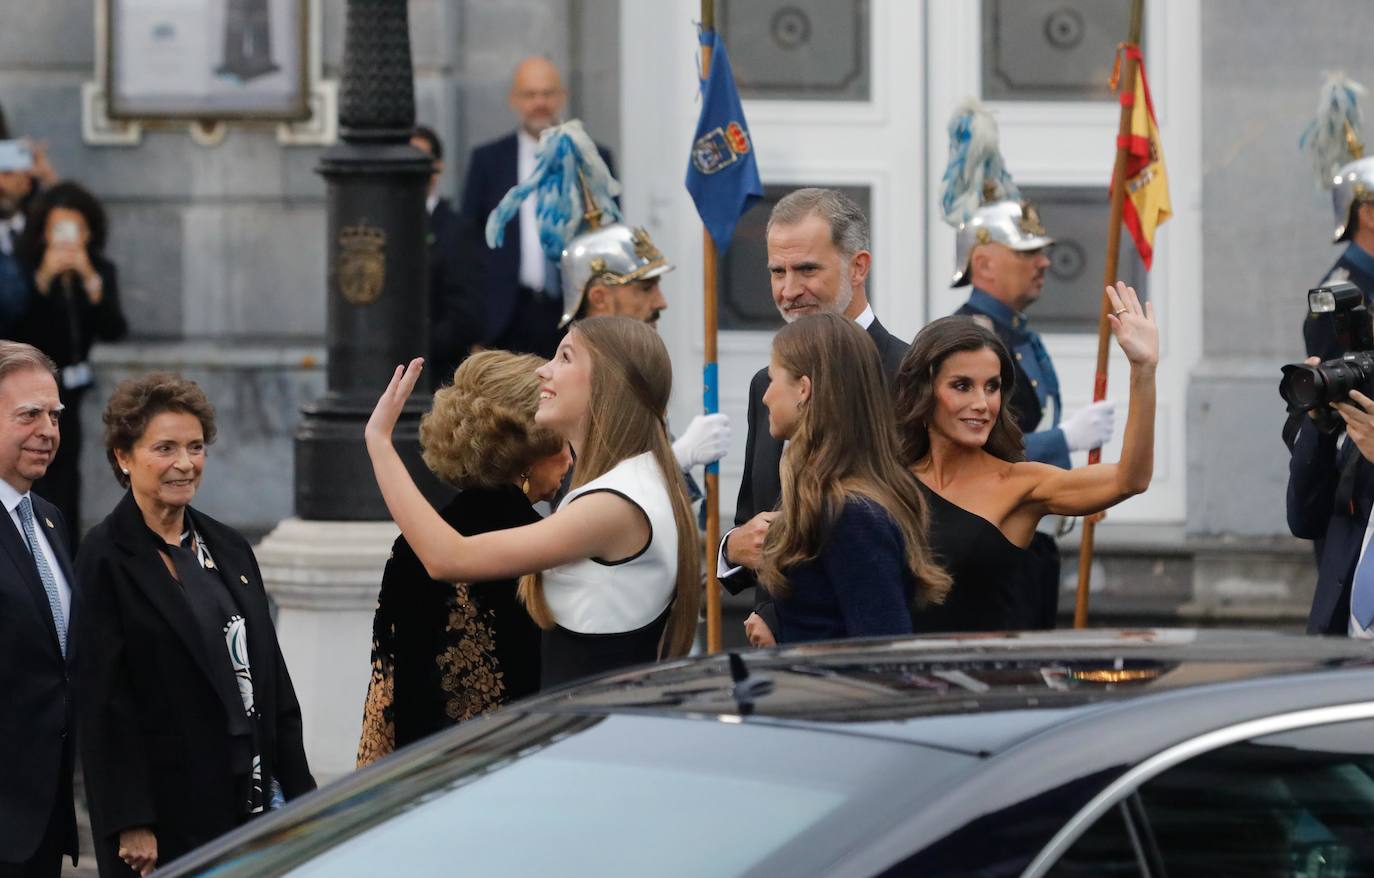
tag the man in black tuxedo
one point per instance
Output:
(524, 300)
(37, 820)
(818, 260)
(455, 301)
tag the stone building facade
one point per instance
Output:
(221, 248)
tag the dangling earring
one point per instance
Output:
(525, 484)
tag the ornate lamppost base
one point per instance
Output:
(324, 577)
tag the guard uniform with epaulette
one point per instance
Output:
(1001, 250)
(1333, 139)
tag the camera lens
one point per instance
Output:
(1303, 387)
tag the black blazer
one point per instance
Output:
(1315, 513)
(36, 768)
(64, 324)
(456, 308)
(492, 171)
(153, 729)
(760, 488)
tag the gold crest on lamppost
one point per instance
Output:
(362, 263)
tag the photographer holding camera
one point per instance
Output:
(1331, 471)
(73, 303)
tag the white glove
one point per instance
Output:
(1089, 427)
(706, 440)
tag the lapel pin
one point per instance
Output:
(48, 522)
(243, 579)
(209, 563)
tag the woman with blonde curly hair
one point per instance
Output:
(443, 652)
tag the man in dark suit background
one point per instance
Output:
(524, 300)
(818, 261)
(37, 820)
(455, 301)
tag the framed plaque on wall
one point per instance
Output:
(207, 59)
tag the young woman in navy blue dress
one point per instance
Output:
(847, 556)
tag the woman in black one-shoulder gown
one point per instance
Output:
(977, 557)
(985, 499)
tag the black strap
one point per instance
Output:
(1344, 502)
(1291, 428)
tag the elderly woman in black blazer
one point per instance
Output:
(188, 724)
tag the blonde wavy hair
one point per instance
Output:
(631, 380)
(480, 432)
(845, 445)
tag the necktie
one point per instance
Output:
(44, 572)
(1362, 589)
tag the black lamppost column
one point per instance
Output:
(324, 566)
(377, 302)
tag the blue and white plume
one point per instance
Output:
(975, 174)
(1333, 137)
(559, 207)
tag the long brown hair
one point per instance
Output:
(844, 445)
(916, 399)
(631, 379)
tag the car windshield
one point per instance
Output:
(624, 794)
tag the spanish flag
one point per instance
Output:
(1147, 183)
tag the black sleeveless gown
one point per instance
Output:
(985, 566)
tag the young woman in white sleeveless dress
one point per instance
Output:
(612, 576)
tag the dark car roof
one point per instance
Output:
(1031, 711)
(930, 689)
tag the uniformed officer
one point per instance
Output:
(1001, 251)
(1337, 151)
(607, 266)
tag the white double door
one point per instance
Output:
(922, 60)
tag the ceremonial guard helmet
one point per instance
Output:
(1333, 139)
(979, 199)
(575, 191)
(614, 255)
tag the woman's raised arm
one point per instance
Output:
(1090, 489)
(599, 529)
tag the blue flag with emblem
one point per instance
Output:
(722, 175)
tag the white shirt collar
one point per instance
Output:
(10, 496)
(866, 318)
(525, 149)
(10, 230)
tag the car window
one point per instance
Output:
(1299, 803)
(635, 794)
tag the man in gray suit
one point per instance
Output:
(37, 820)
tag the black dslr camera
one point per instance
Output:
(1307, 388)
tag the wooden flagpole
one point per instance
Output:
(1109, 276)
(711, 401)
